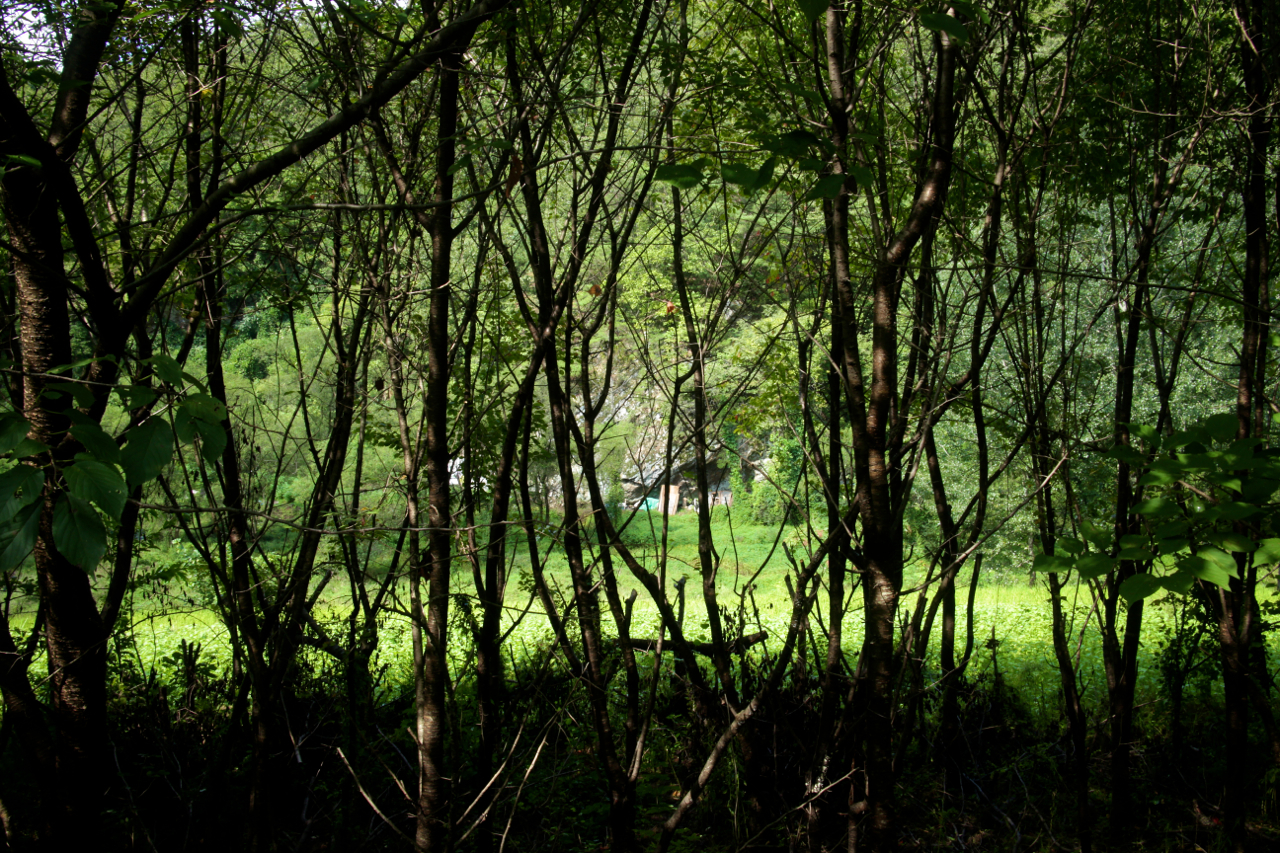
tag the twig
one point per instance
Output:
(368, 799)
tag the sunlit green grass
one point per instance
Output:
(1012, 623)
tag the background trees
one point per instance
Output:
(389, 340)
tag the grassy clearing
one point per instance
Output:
(1012, 622)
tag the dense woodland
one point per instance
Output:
(559, 426)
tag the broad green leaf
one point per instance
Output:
(1139, 586)
(1125, 453)
(1147, 433)
(1222, 558)
(1074, 547)
(763, 176)
(827, 187)
(184, 427)
(862, 175)
(1097, 537)
(1157, 507)
(684, 176)
(1237, 510)
(794, 143)
(1172, 529)
(1231, 541)
(461, 163)
(971, 11)
(28, 447)
(737, 173)
(90, 480)
(13, 429)
(21, 539)
(1093, 566)
(813, 9)
(1259, 489)
(1268, 552)
(1226, 481)
(82, 394)
(1160, 475)
(19, 486)
(1206, 570)
(1182, 438)
(149, 448)
(1222, 427)
(1137, 554)
(78, 532)
(168, 369)
(213, 440)
(1179, 582)
(1051, 563)
(95, 439)
(939, 22)
(203, 407)
(136, 396)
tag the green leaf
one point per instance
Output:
(1157, 507)
(213, 440)
(81, 393)
(149, 448)
(1073, 547)
(1147, 433)
(1206, 570)
(1051, 563)
(28, 447)
(794, 143)
(1125, 453)
(1222, 427)
(95, 439)
(684, 176)
(16, 160)
(1268, 552)
(1139, 586)
(1137, 554)
(184, 426)
(827, 187)
(1185, 437)
(1093, 566)
(939, 22)
(1179, 582)
(1231, 541)
(1237, 510)
(167, 368)
(78, 532)
(971, 11)
(13, 429)
(19, 486)
(764, 176)
(737, 173)
(136, 396)
(461, 163)
(22, 538)
(862, 175)
(205, 408)
(90, 480)
(1259, 489)
(813, 9)
(1097, 537)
